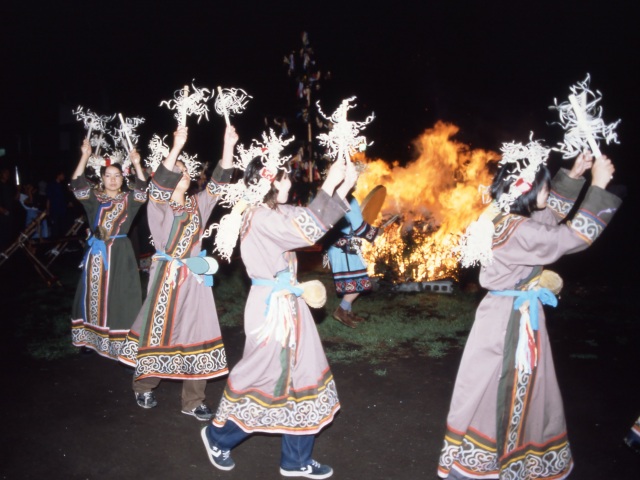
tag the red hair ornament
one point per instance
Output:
(265, 173)
(522, 185)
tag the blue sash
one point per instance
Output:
(163, 256)
(98, 247)
(544, 295)
(281, 282)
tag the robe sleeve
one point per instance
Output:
(138, 196)
(84, 193)
(163, 183)
(594, 214)
(361, 229)
(535, 243)
(296, 227)
(82, 190)
(139, 191)
(562, 197)
(159, 213)
(208, 198)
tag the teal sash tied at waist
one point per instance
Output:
(545, 296)
(184, 262)
(98, 247)
(281, 282)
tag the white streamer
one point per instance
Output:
(581, 118)
(160, 150)
(186, 104)
(231, 101)
(92, 121)
(344, 134)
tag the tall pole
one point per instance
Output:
(304, 71)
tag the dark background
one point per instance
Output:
(492, 68)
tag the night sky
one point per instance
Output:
(490, 67)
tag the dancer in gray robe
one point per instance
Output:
(283, 383)
(176, 334)
(506, 418)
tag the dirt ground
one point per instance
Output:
(76, 418)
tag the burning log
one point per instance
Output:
(412, 251)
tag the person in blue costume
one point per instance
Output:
(347, 265)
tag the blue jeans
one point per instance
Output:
(296, 449)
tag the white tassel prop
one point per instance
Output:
(344, 134)
(92, 121)
(160, 150)
(186, 104)
(231, 101)
(581, 118)
(125, 135)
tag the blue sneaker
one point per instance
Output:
(313, 470)
(632, 441)
(219, 458)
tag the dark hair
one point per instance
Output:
(193, 188)
(103, 169)
(526, 203)
(252, 175)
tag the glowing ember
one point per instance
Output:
(436, 196)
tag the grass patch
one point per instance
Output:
(398, 324)
(230, 293)
(40, 316)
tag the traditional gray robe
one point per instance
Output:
(504, 423)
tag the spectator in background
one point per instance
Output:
(8, 196)
(59, 203)
(33, 204)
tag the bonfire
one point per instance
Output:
(436, 197)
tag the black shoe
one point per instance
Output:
(201, 412)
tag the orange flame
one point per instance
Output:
(436, 196)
